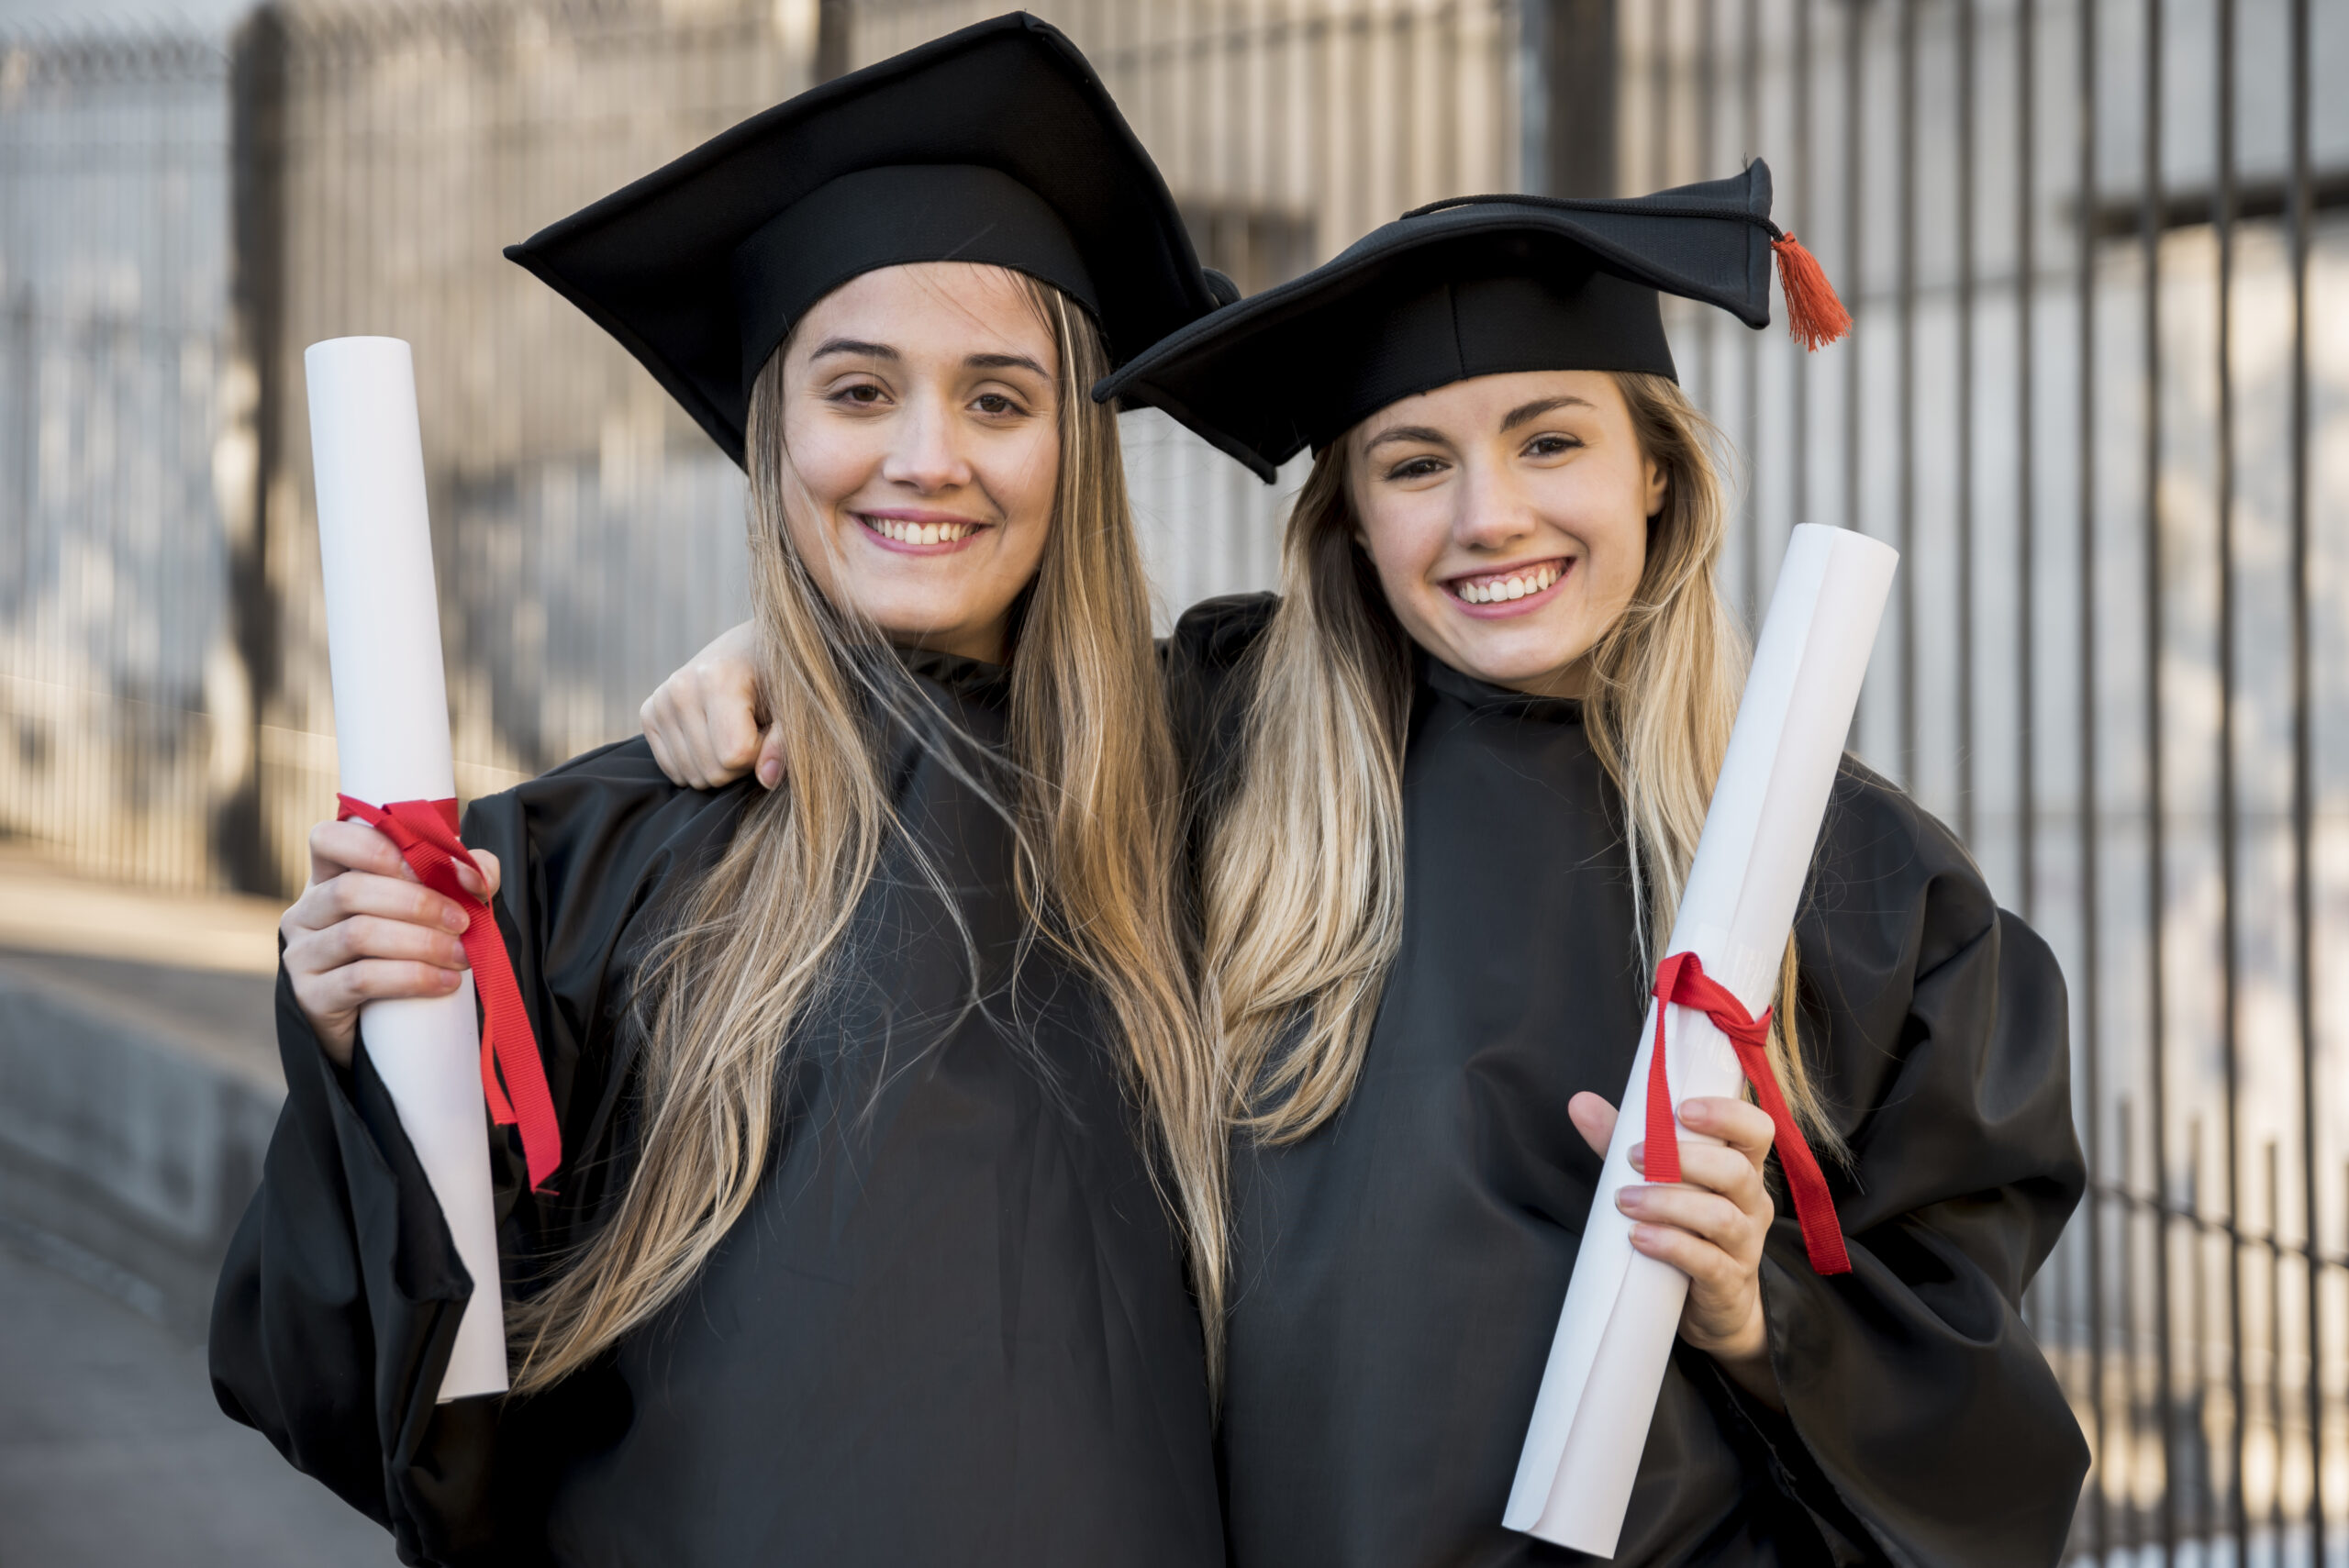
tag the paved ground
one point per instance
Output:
(47, 906)
(111, 1452)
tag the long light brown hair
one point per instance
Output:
(759, 939)
(1303, 879)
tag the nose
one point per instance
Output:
(1494, 514)
(926, 456)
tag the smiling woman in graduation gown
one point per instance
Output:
(951, 1321)
(1398, 1272)
(1398, 1267)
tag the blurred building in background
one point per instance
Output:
(2099, 395)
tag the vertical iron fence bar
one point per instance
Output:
(2304, 765)
(1806, 144)
(1402, 52)
(2276, 1351)
(2125, 1190)
(2100, 1509)
(1707, 133)
(2043, 1322)
(1749, 345)
(2149, 240)
(1660, 94)
(1905, 399)
(2198, 1328)
(2229, 870)
(2026, 500)
(1965, 420)
(1854, 83)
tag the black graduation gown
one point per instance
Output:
(953, 1326)
(1399, 1272)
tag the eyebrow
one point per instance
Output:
(859, 349)
(1403, 433)
(1006, 363)
(856, 346)
(1534, 410)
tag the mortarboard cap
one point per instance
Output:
(1479, 285)
(996, 144)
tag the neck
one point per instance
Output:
(1567, 681)
(987, 644)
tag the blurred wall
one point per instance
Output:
(179, 219)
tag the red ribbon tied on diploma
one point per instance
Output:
(513, 1079)
(1681, 979)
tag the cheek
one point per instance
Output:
(1023, 475)
(1404, 535)
(1621, 549)
(833, 461)
(1607, 514)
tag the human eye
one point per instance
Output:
(1553, 443)
(1421, 467)
(859, 394)
(997, 403)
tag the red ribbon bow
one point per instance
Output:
(1681, 979)
(426, 833)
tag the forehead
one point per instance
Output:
(1478, 404)
(946, 309)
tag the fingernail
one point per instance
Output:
(769, 772)
(1627, 1200)
(1640, 1156)
(454, 919)
(1695, 1113)
(448, 979)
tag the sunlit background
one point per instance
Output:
(2097, 393)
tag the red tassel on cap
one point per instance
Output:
(1814, 315)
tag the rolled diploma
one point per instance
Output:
(1598, 1392)
(391, 723)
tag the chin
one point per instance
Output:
(1508, 661)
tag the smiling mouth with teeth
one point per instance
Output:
(1499, 587)
(906, 532)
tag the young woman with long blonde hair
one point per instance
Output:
(1448, 786)
(890, 1193)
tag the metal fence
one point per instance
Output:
(358, 169)
(2099, 395)
(112, 249)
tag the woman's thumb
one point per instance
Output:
(771, 757)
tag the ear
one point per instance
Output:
(1658, 488)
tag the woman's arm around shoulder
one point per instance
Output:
(1205, 662)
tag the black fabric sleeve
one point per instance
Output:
(338, 1302)
(1937, 1026)
(1204, 663)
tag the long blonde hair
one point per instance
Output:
(756, 941)
(1303, 879)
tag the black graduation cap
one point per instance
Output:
(1477, 286)
(996, 144)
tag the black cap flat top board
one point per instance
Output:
(1481, 285)
(994, 144)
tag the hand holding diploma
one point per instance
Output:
(1710, 1226)
(365, 930)
(371, 937)
(1705, 1037)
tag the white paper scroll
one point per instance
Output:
(391, 721)
(1598, 1393)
